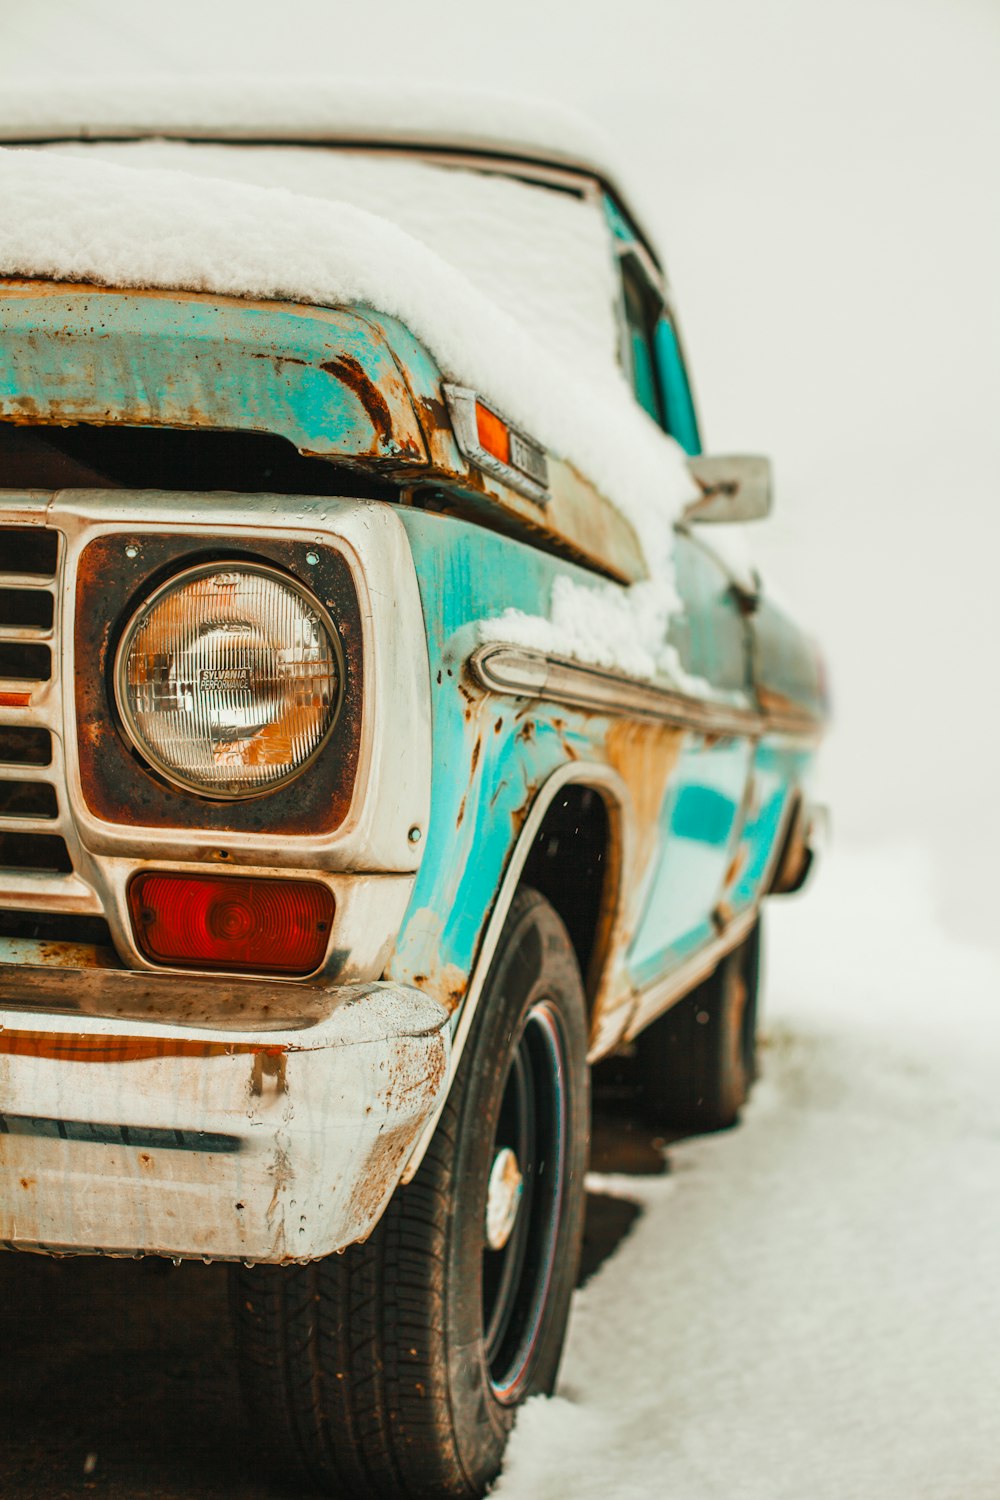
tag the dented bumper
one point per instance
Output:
(124, 1136)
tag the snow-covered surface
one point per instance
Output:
(77, 217)
(544, 258)
(808, 1304)
(293, 107)
(624, 630)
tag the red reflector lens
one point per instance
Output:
(231, 922)
(493, 434)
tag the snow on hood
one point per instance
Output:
(68, 215)
(74, 219)
(541, 256)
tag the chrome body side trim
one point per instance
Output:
(523, 672)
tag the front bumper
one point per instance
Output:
(276, 1138)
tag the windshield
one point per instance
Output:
(541, 254)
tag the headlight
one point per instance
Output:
(228, 679)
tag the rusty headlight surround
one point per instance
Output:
(118, 787)
(174, 586)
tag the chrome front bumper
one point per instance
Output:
(277, 1132)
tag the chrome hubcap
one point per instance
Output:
(503, 1198)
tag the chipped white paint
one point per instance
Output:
(128, 1137)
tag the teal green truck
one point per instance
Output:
(328, 865)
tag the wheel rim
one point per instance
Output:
(529, 1165)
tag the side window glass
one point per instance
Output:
(650, 348)
(680, 418)
(639, 325)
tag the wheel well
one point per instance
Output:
(573, 863)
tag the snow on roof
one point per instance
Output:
(318, 110)
(303, 109)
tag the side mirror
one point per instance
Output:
(733, 488)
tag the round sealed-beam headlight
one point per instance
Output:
(228, 679)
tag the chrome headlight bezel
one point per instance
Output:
(140, 613)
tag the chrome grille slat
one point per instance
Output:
(32, 823)
(39, 890)
(29, 717)
(36, 581)
(34, 633)
(39, 848)
(43, 707)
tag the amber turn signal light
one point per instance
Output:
(236, 923)
(494, 434)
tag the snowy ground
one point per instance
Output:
(804, 1310)
(807, 1306)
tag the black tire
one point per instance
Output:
(698, 1061)
(396, 1369)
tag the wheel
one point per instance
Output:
(698, 1061)
(396, 1369)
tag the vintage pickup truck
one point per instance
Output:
(319, 892)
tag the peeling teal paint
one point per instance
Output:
(179, 360)
(700, 823)
(492, 756)
(488, 763)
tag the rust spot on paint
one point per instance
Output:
(278, 359)
(76, 956)
(447, 986)
(27, 1182)
(351, 373)
(436, 414)
(409, 1077)
(645, 757)
(268, 1071)
(71, 1047)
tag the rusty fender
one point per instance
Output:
(125, 1136)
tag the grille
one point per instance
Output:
(36, 865)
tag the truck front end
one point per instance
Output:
(214, 779)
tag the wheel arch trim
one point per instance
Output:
(614, 792)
